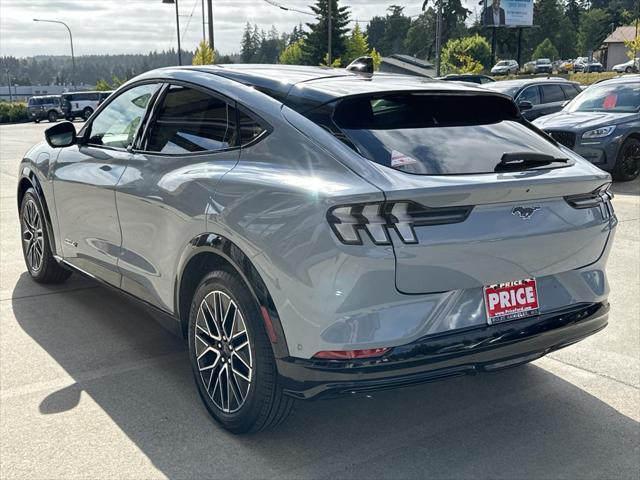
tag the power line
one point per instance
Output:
(305, 12)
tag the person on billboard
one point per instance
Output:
(494, 15)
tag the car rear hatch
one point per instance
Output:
(474, 196)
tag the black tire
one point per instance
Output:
(627, 165)
(86, 113)
(628, 70)
(36, 120)
(264, 404)
(52, 116)
(47, 269)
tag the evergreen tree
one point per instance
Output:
(356, 46)
(247, 46)
(315, 48)
(204, 54)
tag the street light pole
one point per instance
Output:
(73, 58)
(177, 28)
(9, 84)
(329, 33)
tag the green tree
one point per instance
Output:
(421, 37)
(546, 49)
(204, 54)
(395, 30)
(375, 31)
(315, 48)
(248, 44)
(356, 45)
(292, 54)
(460, 54)
(376, 57)
(594, 28)
(102, 85)
(116, 81)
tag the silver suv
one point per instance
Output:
(314, 232)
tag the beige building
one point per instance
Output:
(613, 49)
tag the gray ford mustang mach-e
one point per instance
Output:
(314, 231)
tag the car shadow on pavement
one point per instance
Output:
(524, 422)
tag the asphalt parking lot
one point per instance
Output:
(92, 387)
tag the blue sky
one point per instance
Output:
(130, 26)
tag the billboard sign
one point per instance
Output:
(507, 13)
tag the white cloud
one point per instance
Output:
(131, 26)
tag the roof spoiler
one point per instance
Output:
(362, 65)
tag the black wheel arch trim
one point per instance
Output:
(233, 255)
(30, 176)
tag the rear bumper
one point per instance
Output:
(468, 351)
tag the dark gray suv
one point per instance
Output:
(315, 232)
(603, 125)
(539, 96)
(45, 107)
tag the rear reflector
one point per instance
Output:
(351, 354)
(268, 324)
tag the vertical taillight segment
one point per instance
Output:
(378, 220)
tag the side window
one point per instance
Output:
(190, 120)
(569, 91)
(552, 93)
(249, 128)
(530, 94)
(117, 124)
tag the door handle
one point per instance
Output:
(106, 168)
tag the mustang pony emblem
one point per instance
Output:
(524, 212)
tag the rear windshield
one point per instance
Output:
(429, 134)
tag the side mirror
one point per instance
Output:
(61, 135)
(362, 65)
(524, 106)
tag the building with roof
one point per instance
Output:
(613, 49)
(407, 65)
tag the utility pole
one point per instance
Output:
(329, 33)
(210, 13)
(9, 84)
(204, 33)
(177, 28)
(438, 36)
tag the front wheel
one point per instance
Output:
(627, 165)
(231, 356)
(42, 267)
(52, 116)
(628, 70)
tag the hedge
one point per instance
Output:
(11, 112)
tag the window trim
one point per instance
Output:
(86, 129)
(235, 104)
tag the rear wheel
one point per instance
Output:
(52, 116)
(86, 113)
(627, 165)
(231, 357)
(37, 254)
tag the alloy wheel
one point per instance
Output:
(631, 160)
(32, 235)
(223, 351)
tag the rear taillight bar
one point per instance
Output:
(600, 197)
(378, 219)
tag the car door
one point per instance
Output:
(189, 143)
(553, 98)
(84, 180)
(531, 94)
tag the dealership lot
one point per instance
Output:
(91, 386)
